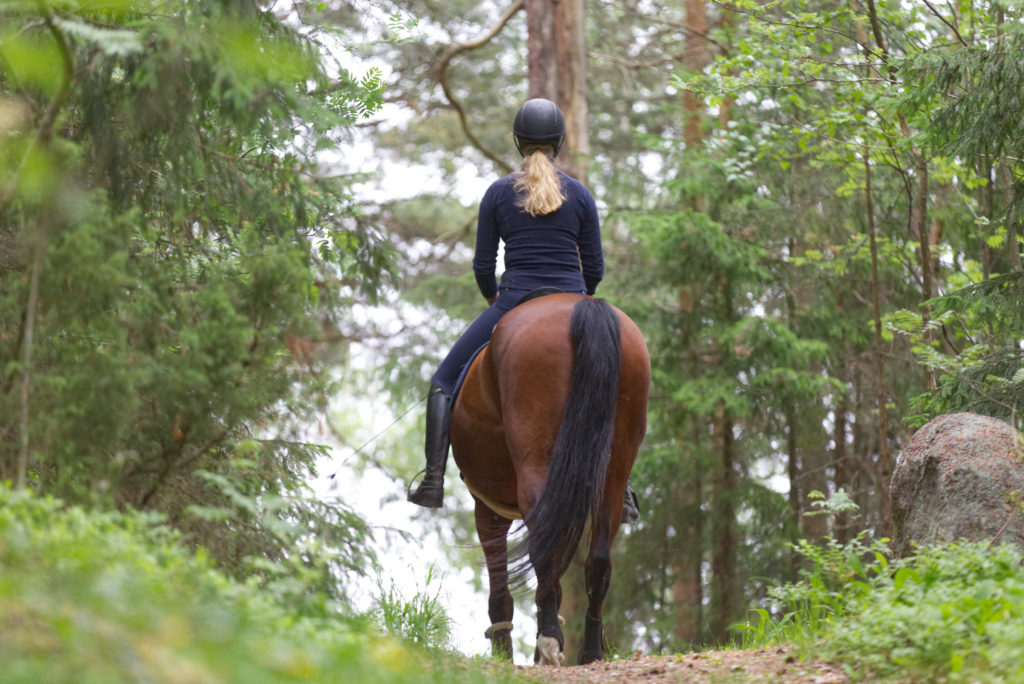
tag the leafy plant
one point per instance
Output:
(949, 612)
(92, 597)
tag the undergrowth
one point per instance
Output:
(88, 596)
(952, 612)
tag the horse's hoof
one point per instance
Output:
(549, 652)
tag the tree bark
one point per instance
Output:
(1006, 185)
(843, 530)
(21, 468)
(795, 495)
(557, 64)
(697, 57)
(919, 227)
(725, 592)
(884, 460)
(687, 587)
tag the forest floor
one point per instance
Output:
(775, 665)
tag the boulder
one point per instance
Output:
(960, 477)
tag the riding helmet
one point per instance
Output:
(539, 121)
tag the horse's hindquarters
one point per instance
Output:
(478, 438)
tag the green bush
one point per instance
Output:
(952, 612)
(112, 597)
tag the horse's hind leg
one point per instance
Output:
(550, 639)
(492, 530)
(598, 577)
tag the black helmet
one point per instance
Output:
(539, 121)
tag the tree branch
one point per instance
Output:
(948, 23)
(442, 77)
(172, 466)
(812, 27)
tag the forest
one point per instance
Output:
(231, 228)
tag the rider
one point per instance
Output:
(548, 222)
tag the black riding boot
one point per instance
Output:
(431, 489)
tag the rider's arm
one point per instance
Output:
(485, 258)
(591, 253)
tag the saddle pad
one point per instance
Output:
(465, 370)
(507, 512)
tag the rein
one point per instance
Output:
(378, 435)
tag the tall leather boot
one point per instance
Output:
(431, 490)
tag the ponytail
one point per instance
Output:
(538, 182)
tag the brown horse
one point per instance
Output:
(545, 428)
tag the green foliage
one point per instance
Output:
(176, 258)
(982, 323)
(99, 597)
(90, 596)
(949, 612)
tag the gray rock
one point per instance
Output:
(960, 477)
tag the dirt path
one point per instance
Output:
(764, 665)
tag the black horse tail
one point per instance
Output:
(582, 450)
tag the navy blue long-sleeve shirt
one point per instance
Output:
(561, 249)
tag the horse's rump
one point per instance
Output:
(539, 353)
(548, 423)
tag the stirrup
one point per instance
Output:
(630, 508)
(428, 494)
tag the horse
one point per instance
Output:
(545, 428)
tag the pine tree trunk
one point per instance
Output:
(687, 587)
(725, 592)
(884, 460)
(557, 63)
(696, 58)
(841, 464)
(795, 495)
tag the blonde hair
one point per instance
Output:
(538, 181)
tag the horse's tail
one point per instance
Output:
(582, 450)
